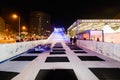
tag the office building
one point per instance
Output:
(40, 23)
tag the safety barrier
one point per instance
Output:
(10, 50)
(111, 50)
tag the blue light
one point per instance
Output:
(58, 35)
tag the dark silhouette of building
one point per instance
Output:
(2, 24)
(40, 23)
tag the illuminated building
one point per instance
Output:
(110, 28)
(40, 23)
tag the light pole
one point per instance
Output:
(19, 24)
(16, 16)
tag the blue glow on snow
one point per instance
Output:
(58, 35)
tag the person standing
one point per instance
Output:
(74, 40)
(98, 39)
(71, 40)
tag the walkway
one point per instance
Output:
(68, 61)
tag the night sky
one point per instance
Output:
(62, 12)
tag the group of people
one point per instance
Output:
(73, 40)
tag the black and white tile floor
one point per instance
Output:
(62, 62)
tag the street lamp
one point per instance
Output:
(24, 28)
(16, 16)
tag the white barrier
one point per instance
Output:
(10, 50)
(108, 49)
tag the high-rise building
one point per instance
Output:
(2, 24)
(40, 23)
